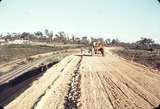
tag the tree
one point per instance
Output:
(92, 39)
(49, 34)
(108, 41)
(85, 40)
(62, 34)
(115, 42)
(1, 35)
(25, 36)
(46, 31)
(145, 43)
(8, 36)
(16, 35)
(61, 37)
(38, 33)
(67, 39)
(73, 39)
(100, 39)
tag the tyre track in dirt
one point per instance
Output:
(143, 82)
(118, 98)
(93, 95)
(132, 87)
(125, 85)
(122, 97)
(136, 72)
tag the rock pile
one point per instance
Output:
(72, 98)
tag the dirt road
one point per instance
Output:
(96, 82)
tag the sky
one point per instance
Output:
(127, 20)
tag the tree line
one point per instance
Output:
(142, 44)
(61, 37)
(47, 36)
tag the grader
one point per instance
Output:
(96, 49)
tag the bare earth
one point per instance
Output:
(108, 82)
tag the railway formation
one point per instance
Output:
(92, 83)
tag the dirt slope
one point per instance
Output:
(55, 78)
(108, 82)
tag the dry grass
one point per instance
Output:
(13, 52)
(147, 58)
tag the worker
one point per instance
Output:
(101, 49)
(46, 66)
(42, 66)
(94, 44)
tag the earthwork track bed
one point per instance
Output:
(95, 82)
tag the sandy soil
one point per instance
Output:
(108, 82)
(115, 83)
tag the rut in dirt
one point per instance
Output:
(73, 95)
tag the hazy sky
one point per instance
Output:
(127, 20)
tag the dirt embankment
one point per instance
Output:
(102, 82)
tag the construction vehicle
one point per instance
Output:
(98, 48)
(86, 52)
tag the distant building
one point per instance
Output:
(18, 41)
(2, 41)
